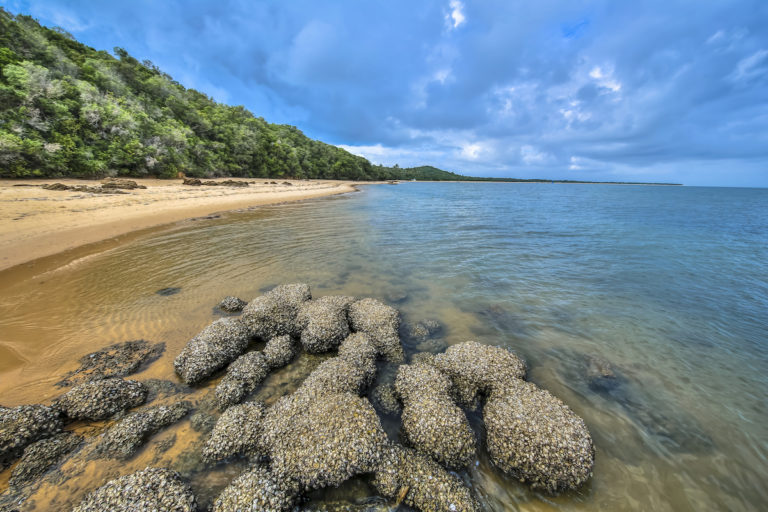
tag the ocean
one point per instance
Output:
(666, 287)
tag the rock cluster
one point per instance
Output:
(213, 348)
(120, 183)
(125, 437)
(118, 360)
(82, 188)
(431, 422)
(427, 486)
(22, 425)
(150, 489)
(100, 399)
(40, 456)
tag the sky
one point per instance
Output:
(659, 91)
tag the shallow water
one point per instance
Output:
(668, 284)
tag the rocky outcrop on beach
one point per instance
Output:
(39, 457)
(100, 399)
(126, 436)
(120, 183)
(118, 360)
(23, 425)
(82, 188)
(150, 489)
(213, 348)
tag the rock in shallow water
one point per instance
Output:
(213, 348)
(148, 490)
(25, 424)
(39, 457)
(232, 304)
(275, 313)
(237, 431)
(258, 490)
(381, 323)
(125, 437)
(535, 437)
(323, 322)
(118, 360)
(100, 399)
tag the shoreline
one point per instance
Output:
(40, 223)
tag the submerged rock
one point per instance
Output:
(151, 489)
(601, 375)
(165, 292)
(212, 349)
(25, 424)
(426, 486)
(231, 304)
(535, 437)
(381, 323)
(100, 399)
(39, 457)
(279, 351)
(125, 437)
(431, 422)
(384, 398)
(118, 360)
(323, 322)
(237, 431)
(275, 313)
(476, 369)
(258, 490)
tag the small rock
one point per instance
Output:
(381, 323)
(258, 490)
(118, 360)
(238, 431)
(120, 183)
(192, 182)
(39, 457)
(25, 424)
(165, 292)
(323, 322)
(151, 489)
(274, 313)
(243, 376)
(100, 399)
(231, 304)
(212, 349)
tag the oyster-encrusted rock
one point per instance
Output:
(384, 398)
(25, 424)
(118, 360)
(258, 490)
(213, 348)
(238, 431)
(232, 304)
(427, 486)
(275, 313)
(431, 422)
(279, 351)
(243, 376)
(323, 439)
(39, 457)
(151, 489)
(476, 369)
(323, 322)
(427, 358)
(338, 375)
(535, 437)
(381, 323)
(126, 436)
(100, 399)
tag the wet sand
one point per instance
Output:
(38, 223)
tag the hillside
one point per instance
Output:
(69, 110)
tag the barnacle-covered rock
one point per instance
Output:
(279, 351)
(150, 489)
(126, 436)
(22, 425)
(118, 360)
(100, 399)
(275, 313)
(238, 431)
(40, 456)
(427, 486)
(243, 376)
(381, 323)
(535, 437)
(232, 304)
(476, 369)
(258, 490)
(384, 398)
(431, 422)
(213, 348)
(427, 358)
(323, 440)
(323, 322)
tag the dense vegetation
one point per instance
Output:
(69, 110)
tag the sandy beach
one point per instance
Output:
(37, 223)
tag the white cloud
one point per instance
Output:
(751, 67)
(605, 79)
(471, 151)
(532, 156)
(456, 16)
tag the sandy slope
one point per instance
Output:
(35, 223)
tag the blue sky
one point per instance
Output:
(600, 90)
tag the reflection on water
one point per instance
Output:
(667, 286)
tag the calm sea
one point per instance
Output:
(667, 285)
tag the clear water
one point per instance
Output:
(668, 284)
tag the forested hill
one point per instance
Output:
(69, 110)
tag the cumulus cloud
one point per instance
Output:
(564, 89)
